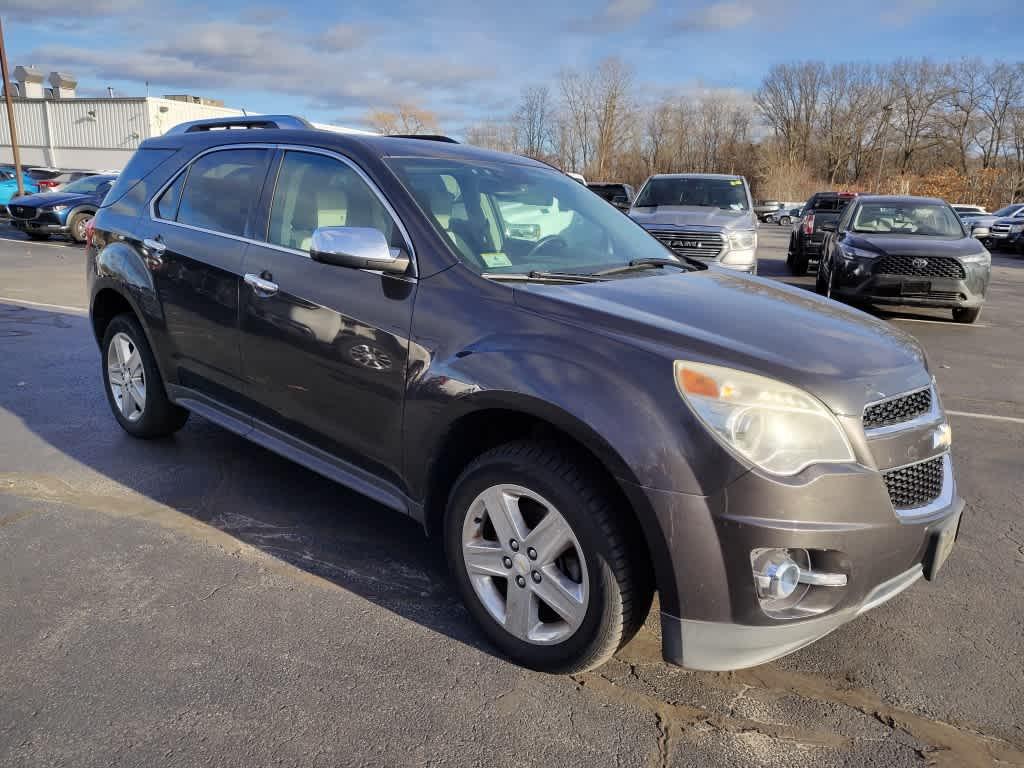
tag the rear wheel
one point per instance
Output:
(964, 315)
(541, 560)
(798, 262)
(132, 381)
(785, 221)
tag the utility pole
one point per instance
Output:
(10, 111)
(886, 110)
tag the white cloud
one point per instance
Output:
(719, 16)
(626, 10)
(899, 13)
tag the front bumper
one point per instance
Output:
(45, 223)
(1010, 241)
(855, 280)
(712, 617)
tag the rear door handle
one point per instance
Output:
(260, 286)
(154, 245)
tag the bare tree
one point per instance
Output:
(788, 102)
(919, 88)
(534, 122)
(405, 118)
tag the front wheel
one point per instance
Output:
(541, 560)
(78, 225)
(785, 221)
(964, 315)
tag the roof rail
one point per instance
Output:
(424, 137)
(248, 121)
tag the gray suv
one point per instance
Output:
(707, 216)
(577, 417)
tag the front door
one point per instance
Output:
(196, 247)
(324, 348)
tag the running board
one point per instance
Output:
(296, 450)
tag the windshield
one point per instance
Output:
(1010, 210)
(727, 194)
(908, 219)
(505, 218)
(85, 186)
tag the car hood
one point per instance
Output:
(51, 198)
(1009, 220)
(691, 216)
(912, 245)
(843, 356)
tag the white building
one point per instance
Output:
(57, 129)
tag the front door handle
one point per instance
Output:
(154, 245)
(260, 286)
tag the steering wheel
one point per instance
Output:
(544, 242)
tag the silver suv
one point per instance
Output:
(708, 216)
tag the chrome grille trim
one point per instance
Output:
(711, 243)
(940, 502)
(920, 419)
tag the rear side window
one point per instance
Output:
(167, 205)
(222, 189)
(143, 162)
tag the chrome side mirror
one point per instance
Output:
(358, 248)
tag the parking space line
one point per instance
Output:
(34, 243)
(61, 307)
(990, 417)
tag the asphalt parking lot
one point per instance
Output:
(201, 601)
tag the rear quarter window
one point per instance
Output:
(143, 163)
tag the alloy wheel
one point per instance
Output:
(525, 564)
(80, 226)
(126, 376)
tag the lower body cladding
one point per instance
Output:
(851, 549)
(856, 280)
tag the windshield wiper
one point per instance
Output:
(546, 277)
(636, 264)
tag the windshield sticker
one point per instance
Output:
(495, 260)
(736, 182)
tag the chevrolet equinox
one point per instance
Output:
(580, 415)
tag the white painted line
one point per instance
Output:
(61, 307)
(936, 322)
(972, 415)
(34, 243)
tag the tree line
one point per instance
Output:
(918, 126)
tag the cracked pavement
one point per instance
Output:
(201, 601)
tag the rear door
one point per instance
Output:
(197, 236)
(324, 348)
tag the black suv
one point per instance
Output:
(808, 236)
(477, 341)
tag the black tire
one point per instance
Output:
(785, 221)
(619, 584)
(821, 281)
(798, 263)
(160, 417)
(964, 315)
(76, 226)
(37, 236)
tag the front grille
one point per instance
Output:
(897, 409)
(999, 228)
(23, 211)
(916, 485)
(696, 244)
(931, 266)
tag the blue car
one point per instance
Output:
(9, 185)
(67, 212)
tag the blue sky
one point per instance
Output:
(467, 61)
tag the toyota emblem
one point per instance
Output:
(919, 263)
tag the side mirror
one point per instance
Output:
(620, 201)
(356, 247)
(828, 226)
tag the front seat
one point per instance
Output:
(440, 200)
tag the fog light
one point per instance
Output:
(776, 574)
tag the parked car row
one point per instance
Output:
(63, 203)
(594, 419)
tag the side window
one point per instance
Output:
(319, 191)
(844, 220)
(221, 190)
(167, 205)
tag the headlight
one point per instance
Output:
(983, 257)
(849, 252)
(1017, 228)
(56, 208)
(779, 428)
(743, 241)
